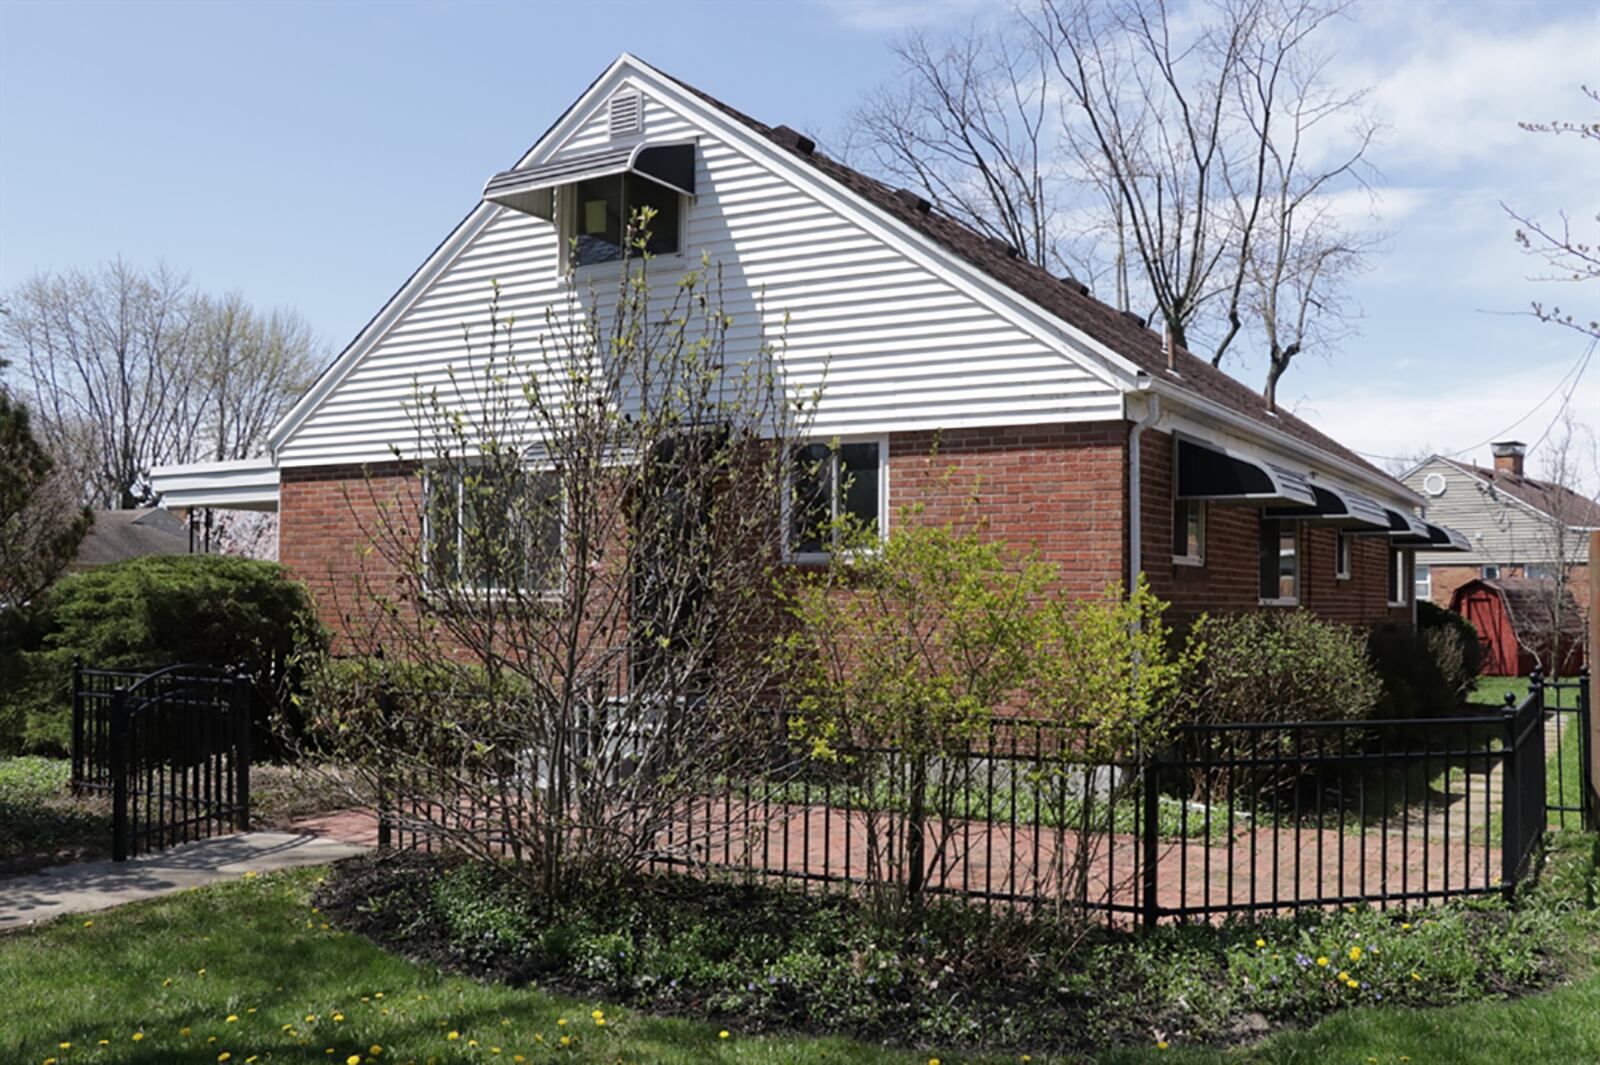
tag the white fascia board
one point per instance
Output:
(1276, 440)
(243, 484)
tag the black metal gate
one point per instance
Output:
(170, 748)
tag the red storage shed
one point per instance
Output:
(1516, 626)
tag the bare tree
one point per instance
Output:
(252, 366)
(1558, 540)
(1571, 259)
(584, 528)
(1172, 153)
(128, 369)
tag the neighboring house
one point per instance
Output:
(1515, 525)
(118, 535)
(929, 332)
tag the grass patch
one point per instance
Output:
(256, 950)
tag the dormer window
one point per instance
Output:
(603, 208)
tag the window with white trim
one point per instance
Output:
(835, 485)
(1397, 577)
(1490, 573)
(1539, 573)
(1189, 532)
(1343, 544)
(1280, 561)
(487, 531)
(1421, 582)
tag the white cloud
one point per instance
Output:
(1448, 413)
(881, 16)
(1451, 84)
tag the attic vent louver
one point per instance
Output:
(627, 114)
(913, 201)
(790, 138)
(1130, 316)
(1074, 284)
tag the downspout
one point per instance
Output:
(1135, 490)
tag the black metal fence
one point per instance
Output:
(169, 747)
(1224, 820)
(1572, 799)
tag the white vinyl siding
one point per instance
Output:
(903, 348)
(1501, 529)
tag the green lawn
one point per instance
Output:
(255, 951)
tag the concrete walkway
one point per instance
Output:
(88, 886)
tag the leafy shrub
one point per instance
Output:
(1270, 666)
(777, 958)
(1461, 663)
(1263, 666)
(1424, 671)
(151, 612)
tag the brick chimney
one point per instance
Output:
(1508, 456)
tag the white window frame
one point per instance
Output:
(567, 231)
(1299, 565)
(834, 444)
(1484, 574)
(1401, 575)
(1198, 558)
(429, 587)
(1421, 577)
(1344, 549)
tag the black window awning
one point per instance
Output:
(1338, 506)
(532, 190)
(1434, 538)
(1206, 471)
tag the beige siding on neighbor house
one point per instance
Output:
(903, 348)
(1502, 530)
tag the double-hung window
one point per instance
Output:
(1189, 532)
(603, 209)
(1280, 561)
(838, 491)
(1422, 582)
(1343, 543)
(493, 531)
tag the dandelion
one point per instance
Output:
(566, 1041)
(232, 1017)
(338, 1018)
(224, 1056)
(186, 1032)
(1322, 962)
(561, 1022)
(722, 1034)
(137, 1036)
(453, 1036)
(311, 1018)
(375, 1050)
(1355, 953)
(1405, 928)
(600, 1022)
(353, 1059)
(1161, 1044)
(251, 875)
(472, 1042)
(1261, 942)
(167, 982)
(88, 924)
(933, 1061)
(105, 1042)
(1416, 976)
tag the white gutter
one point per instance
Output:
(1135, 493)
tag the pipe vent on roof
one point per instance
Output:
(794, 139)
(1000, 247)
(1074, 284)
(913, 201)
(626, 113)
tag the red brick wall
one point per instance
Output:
(1055, 488)
(1230, 578)
(327, 516)
(1060, 489)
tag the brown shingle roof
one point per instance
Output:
(1531, 603)
(118, 535)
(1105, 323)
(1554, 500)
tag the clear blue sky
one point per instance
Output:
(312, 154)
